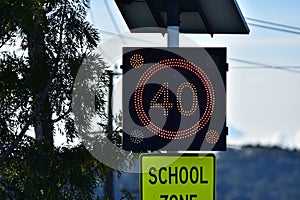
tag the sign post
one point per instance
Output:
(177, 177)
(174, 98)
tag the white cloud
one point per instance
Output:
(276, 138)
(297, 138)
(283, 139)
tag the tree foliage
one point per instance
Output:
(40, 173)
(43, 44)
(54, 39)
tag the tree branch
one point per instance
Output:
(62, 116)
(18, 139)
(12, 147)
(3, 42)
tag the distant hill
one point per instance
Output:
(260, 173)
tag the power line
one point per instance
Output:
(113, 19)
(272, 23)
(263, 24)
(261, 67)
(112, 16)
(127, 37)
(257, 65)
(274, 28)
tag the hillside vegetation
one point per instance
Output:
(260, 173)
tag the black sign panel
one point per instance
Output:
(174, 99)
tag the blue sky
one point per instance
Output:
(262, 104)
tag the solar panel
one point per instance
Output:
(196, 16)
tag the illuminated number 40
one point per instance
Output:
(166, 105)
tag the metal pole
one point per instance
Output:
(109, 179)
(109, 189)
(173, 22)
(110, 92)
(173, 36)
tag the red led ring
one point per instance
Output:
(210, 97)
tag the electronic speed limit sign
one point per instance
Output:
(174, 99)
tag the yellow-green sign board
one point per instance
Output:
(177, 177)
